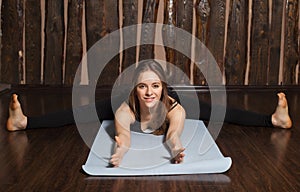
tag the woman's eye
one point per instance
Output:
(156, 85)
(141, 86)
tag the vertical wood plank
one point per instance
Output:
(259, 43)
(150, 8)
(54, 42)
(291, 56)
(184, 21)
(216, 37)
(20, 35)
(10, 43)
(74, 47)
(168, 34)
(94, 21)
(101, 19)
(235, 60)
(298, 42)
(130, 17)
(202, 21)
(95, 25)
(111, 15)
(274, 42)
(111, 23)
(33, 42)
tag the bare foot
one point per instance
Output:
(281, 118)
(16, 120)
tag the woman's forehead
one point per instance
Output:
(148, 76)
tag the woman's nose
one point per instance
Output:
(149, 91)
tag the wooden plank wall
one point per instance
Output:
(254, 42)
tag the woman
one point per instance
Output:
(154, 107)
(150, 105)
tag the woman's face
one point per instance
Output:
(149, 89)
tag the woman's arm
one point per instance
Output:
(123, 119)
(176, 118)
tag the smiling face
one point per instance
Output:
(148, 89)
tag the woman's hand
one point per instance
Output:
(120, 151)
(176, 148)
(176, 118)
(178, 155)
(123, 119)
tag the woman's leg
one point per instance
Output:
(237, 116)
(54, 119)
(18, 121)
(66, 117)
(280, 118)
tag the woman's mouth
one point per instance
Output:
(149, 99)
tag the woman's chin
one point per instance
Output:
(151, 104)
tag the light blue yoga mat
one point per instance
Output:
(149, 154)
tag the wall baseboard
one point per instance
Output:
(239, 88)
(177, 87)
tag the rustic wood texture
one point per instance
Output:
(111, 23)
(130, 17)
(10, 42)
(101, 19)
(203, 10)
(216, 38)
(54, 42)
(95, 26)
(74, 47)
(184, 20)
(273, 51)
(20, 32)
(275, 42)
(291, 57)
(150, 8)
(259, 43)
(168, 34)
(33, 42)
(236, 47)
(264, 159)
(95, 22)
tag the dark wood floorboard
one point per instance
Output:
(264, 159)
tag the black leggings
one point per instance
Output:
(105, 112)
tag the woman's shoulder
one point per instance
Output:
(124, 107)
(172, 99)
(125, 111)
(173, 103)
(175, 106)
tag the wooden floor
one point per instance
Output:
(264, 159)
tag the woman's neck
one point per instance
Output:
(145, 115)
